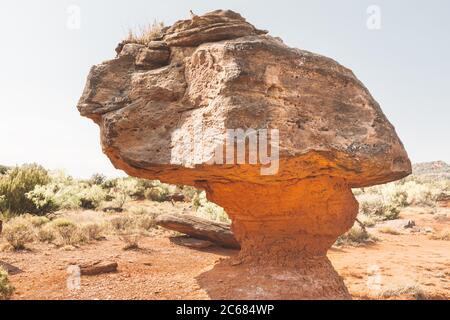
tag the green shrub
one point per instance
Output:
(374, 205)
(209, 210)
(64, 192)
(6, 289)
(17, 183)
(4, 169)
(18, 232)
(390, 212)
(97, 179)
(123, 191)
(190, 193)
(158, 194)
(414, 190)
(141, 187)
(109, 184)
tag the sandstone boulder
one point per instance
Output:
(277, 136)
(215, 232)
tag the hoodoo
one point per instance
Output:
(277, 136)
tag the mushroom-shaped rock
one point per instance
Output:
(276, 136)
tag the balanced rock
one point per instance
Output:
(275, 135)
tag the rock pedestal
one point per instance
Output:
(287, 228)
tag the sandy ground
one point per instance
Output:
(402, 264)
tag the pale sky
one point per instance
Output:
(44, 64)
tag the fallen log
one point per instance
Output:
(99, 267)
(217, 232)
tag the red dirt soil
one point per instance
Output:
(161, 269)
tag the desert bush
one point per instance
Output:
(138, 211)
(385, 200)
(376, 206)
(196, 202)
(66, 231)
(190, 193)
(209, 210)
(131, 241)
(64, 192)
(97, 179)
(146, 222)
(4, 169)
(122, 224)
(356, 236)
(367, 221)
(142, 185)
(422, 194)
(35, 221)
(123, 191)
(6, 289)
(213, 212)
(18, 233)
(17, 183)
(92, 231)
(46, 234)
(394, 194)
(157, 193)
(109, 184)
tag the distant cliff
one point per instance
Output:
(434, 168)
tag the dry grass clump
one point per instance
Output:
(146, 222)
(146, 34)
(67, 232)
(131, 241)
(46, 234)
(18, 233)
(92, 231)
(6, 289)
(122, 224)
(130, 228)
(443, 235)
(356, 236)
(409, 290)
(388, 230)
(23, 230)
